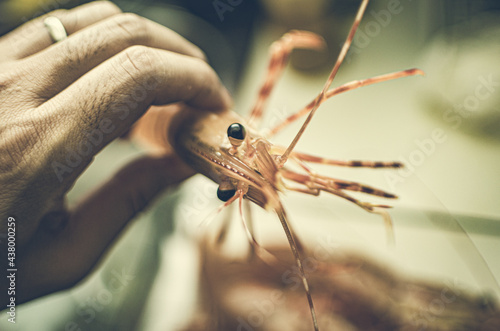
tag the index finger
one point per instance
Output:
(107, 100)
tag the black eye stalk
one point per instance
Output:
(236, 134)
(225, 195)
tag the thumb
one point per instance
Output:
(103, 213)
(69, 253)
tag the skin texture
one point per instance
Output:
(61, 103)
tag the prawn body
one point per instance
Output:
(201, 141)
(243, 169)
(226, 148)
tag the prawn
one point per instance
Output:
(226, 148)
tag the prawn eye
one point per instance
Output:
(236, 134)
(225, 195)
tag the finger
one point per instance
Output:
(69, 59)
(33, 37)
(68, 245)
(105, 102)
(99, 218)
(152, 129)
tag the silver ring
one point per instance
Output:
(55, 28)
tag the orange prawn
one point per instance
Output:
(226, 148)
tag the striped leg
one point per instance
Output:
(341, 184)
(333, 185)
(341, 89)
(301, 158)
(314, 184)
(357, 163)
(280, 51)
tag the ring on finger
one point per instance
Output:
(55, 28)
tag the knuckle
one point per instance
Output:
(133, 27)
(139, 61)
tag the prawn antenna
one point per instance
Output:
(284, 157)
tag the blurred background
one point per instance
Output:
(445, 127)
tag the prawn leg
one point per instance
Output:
(333, 186)
(247, 210)
(300, 158)
(344, 184)
(313, 184)
(255, 247)
(267, 164)
(280, 51)
(294, 245)
(341, 89)
(224, 229)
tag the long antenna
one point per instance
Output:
(283, 158)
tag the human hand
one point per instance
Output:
(61, 103)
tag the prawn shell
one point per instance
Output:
(200, 139)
